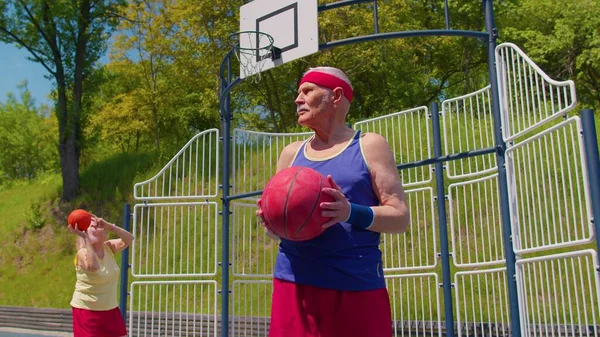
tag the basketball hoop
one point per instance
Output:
(253, 49)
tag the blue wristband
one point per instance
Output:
(361, 216)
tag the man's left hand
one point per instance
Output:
(339, 209)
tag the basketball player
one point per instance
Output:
(94, 303)
(333, 285)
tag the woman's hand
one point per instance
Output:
(83, 234)
(76, 231)
(101, 223)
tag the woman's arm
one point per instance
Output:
(86, 255)
(125, 238)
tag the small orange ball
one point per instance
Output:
(79, 217)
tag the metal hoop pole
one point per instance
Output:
(590, 141)
(509, 253)
(224, 103)
(443, 225)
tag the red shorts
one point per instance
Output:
(88, 323)
(307, 311)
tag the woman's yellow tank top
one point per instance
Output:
(97, 290)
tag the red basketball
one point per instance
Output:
(81, 218)
(290, 203)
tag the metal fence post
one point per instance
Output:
(125, 265)
(443, 224)
(590, 143)
(509, 253)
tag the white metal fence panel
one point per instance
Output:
(559, 294)
(548, 190)
(415, 304)
(255, 156)
(175, 239)
(193, 173)
(408, 134)
(468, 124)
(482, 307)
(417, 248)
(252, 251)
(173, 308)
(528, 97)
(251, 307)
(475, 222)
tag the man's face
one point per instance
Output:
(313, 104)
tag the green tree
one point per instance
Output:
(26, 137)
(66, 38)
(121, 118)
(562, 37)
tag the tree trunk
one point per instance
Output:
(69, 155)
(153, 104)
(69, 162)
(69, 146)
(156, 132)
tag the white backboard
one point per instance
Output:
(292, 24)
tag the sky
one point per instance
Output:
(15, 67)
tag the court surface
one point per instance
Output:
(11, 332)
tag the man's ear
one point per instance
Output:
(338, 95)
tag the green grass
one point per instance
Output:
(37, 274)
(111, 181)
(16, 202)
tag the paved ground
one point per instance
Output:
(11, 332)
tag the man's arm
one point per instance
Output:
(392, 215)
(287, 155)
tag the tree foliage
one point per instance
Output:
(26, 134)
(161, 84)
(563, 37)
(66, 38)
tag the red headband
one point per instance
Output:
(328, 81)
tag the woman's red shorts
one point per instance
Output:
(88, 323)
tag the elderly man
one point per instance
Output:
(333, 285)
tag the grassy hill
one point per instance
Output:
(35, 253)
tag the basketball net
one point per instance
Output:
(252, 49)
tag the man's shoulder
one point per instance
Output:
(371, 140)
(292, 148)
(288, 154)
(294, 145)
(375, 148)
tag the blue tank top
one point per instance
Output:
(344, 257)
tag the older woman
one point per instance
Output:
(94, 302)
